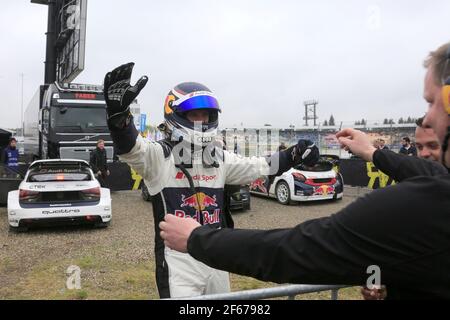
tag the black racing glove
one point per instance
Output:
(119, 94)
(305, 152)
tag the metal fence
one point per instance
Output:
(289, 291)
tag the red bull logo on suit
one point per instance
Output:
(200, 201)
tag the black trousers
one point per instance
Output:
(102, 178)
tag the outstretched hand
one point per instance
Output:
(175, 231)
(374, 293)
(305, 152)
(357, 142)
(119, 93)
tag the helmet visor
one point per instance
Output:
(197, 102)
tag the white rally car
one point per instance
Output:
(59, 192)
(302, 183)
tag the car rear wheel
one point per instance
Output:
(101, 225)
(18, 229)
(283, 193)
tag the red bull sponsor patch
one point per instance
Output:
(208, 218)
(199, 200)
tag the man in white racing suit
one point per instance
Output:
(186, 172)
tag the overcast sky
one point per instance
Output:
(262, 58)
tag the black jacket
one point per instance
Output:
(98, 160)
(404, 229)
(399, 167)
(410, 151)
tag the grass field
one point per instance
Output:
(101, 279)
(118, 262)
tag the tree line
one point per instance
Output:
(363, 122)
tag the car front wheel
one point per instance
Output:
(283, 193)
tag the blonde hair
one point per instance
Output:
(437, 60)
(100, 141)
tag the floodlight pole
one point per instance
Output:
(50, 54)
(50, 51)
(21, 107)
(308, 105)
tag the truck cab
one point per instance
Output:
(71, 119)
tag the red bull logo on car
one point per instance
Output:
(324, 190)
(259, 185)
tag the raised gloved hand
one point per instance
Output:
(305, 151)
(119, 94)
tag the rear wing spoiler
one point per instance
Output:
(59, 164)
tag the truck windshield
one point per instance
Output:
(78, 119)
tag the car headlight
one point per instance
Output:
(12, 213)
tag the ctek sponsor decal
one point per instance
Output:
(36, 187)
(61, 211)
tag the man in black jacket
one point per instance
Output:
(407, 239)
(99, 163)
(383, 145)
(407, 149)
(400, 168)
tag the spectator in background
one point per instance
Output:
(99, 164)
(407, 148)
(282, 147)
(10, 155)
(376, 143)
(382, 145)
(236, 148)
(427, 142)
